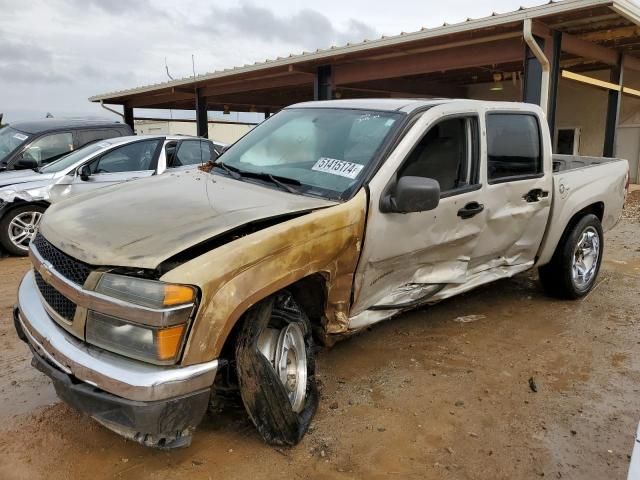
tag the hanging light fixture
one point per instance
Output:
(497, 82)
(226, 111)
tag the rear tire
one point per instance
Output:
(18, 227)
(574, 267)
(276, 369)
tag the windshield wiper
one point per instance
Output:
(233, 171)
(280, 183)
(237, 173)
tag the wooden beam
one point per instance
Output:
(403, 86)
(612, 34)
(151, 100)
(501, 51)
(583, 48)
(257, 84)
(630, 62)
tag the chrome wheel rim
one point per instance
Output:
(585, 258)
(286, 351)
(23, 228)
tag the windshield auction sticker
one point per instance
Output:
(19, 136)
(337, 167)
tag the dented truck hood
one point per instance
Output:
(143, 223)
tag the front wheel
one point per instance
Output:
(18, 227)
(276, 369)
(575, 265)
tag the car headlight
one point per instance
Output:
(7, 195)
(159, 341)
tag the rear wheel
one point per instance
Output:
(575, 265)
(18, 227)
(276, 369)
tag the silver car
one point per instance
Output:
(25, 194)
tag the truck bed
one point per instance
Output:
(596, 183)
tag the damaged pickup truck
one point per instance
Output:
(145, 301)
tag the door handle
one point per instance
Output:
(471, 209)
(535, 195)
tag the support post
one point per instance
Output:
(553, 84)
(202, 121)
(128, 117)
(323, 83)
(613, 110)
(532, 88)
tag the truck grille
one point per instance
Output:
(61, 304)
(67, 266)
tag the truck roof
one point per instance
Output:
(39, 126)
(405, 105)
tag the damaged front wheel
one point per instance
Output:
(276, 369)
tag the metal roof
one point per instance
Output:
(50, 124)
(625, 8)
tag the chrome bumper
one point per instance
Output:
(112, 373)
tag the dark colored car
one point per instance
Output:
(33, 144)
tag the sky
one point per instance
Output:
(54, 54)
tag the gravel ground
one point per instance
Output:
(422, 396)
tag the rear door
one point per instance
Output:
(121, 164)
(518, 191)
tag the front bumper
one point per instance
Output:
(152, 404)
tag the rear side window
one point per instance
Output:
(88, 136)
(191, 152)
(513, 147)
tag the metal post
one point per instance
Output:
(553, 84)
(613, 110)
(323, 84)
(202, 121)
(128, 117)
(531, 91)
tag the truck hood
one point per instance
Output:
(142, 223)
(21, 179)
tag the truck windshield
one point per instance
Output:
(10, 140)
(72, 158)
(321, 151)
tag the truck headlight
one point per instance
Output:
(159, 334)
(148, 293)
(155, 345)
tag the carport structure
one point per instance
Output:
(531, 49)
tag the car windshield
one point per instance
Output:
(72, 158)
(10, 140)
(319, 151)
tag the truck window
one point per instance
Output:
(133, 157)
(513, 147)
(448, 153)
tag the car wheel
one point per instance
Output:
(276, 369)
(18, 227)
(575, 265)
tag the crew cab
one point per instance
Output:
(25, 194)
(329, 217)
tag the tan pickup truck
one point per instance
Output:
(148, 298)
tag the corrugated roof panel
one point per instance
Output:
(624, 7)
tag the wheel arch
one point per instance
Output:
(595, 208)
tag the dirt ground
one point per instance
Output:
(422, 396)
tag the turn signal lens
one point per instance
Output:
(168, 342)
(177, 295)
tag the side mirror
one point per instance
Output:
(24, 163)
(85, 172)
(412, 194)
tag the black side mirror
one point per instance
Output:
(412, 194)
(24, 163)
(85, 172)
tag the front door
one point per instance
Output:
(121, 164)
(409, 257)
